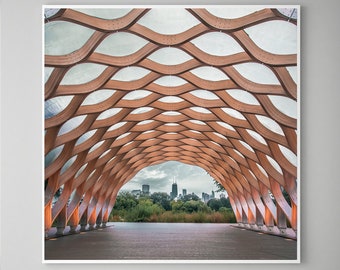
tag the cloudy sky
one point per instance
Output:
(160, 178)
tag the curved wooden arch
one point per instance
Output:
(104, 162)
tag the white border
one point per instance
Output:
(299, 133)
(298, 260)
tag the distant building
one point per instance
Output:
(184, 192)
(136, 192)
(205, 197)
(146, 189)
(174, 192)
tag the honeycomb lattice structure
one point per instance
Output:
(112, 139)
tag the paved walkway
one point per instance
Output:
(170, 241)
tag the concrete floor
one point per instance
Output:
(170, 241)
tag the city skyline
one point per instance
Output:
(161, 177)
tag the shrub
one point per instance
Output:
(143, 212)
(125, 200)
(177, 206)
(215, 204)
(193, 206)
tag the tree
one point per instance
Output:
(225, 202)
(125, 200)
(214, 204)
(217, 204)
(143, 211)
(162, 199)
(192, 206)
(177, 206)
(219, 186)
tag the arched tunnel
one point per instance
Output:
(214, 87)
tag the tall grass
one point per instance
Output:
(145, 210)
(174, 217)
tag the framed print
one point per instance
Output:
(145, 94)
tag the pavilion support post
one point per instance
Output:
(105, 219)
(74, 220)
(83, 222)
(251, 218)
(294, 217)
(268, 219)
(259, 219)
(281, 220)
(244, 218)
(291, 188)
(61, 221)
(270, 208)
(92, 220)
(99, 219)
(238, 215)
(48, 217)
(237, 210)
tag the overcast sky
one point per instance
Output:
(160, 178)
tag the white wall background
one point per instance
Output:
(21, 136)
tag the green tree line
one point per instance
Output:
(158, 207)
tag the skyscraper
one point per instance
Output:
(146, 189)
(184, 192)
(174, 192)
